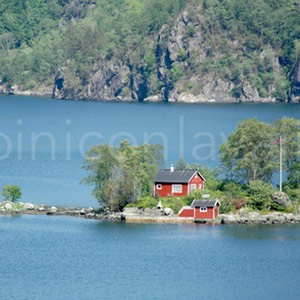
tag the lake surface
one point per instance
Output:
(42, 141)
(67, 258)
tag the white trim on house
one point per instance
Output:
(176, 188)
(159, 186)
(183, 208)
(192, 187)
(198, 173)
(203, 209)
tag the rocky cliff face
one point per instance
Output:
(193, 64)
(295, 91)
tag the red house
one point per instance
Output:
(177, 183)
(201, 209)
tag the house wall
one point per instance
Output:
(186, 212)
(167, 190)
(198, 181)
(204, 215)
(216, 211)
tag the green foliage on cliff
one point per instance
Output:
(37, 38)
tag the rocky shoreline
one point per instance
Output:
(7, 208)
(136, 215)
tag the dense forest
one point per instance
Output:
(159, 50)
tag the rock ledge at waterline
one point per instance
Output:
(137, 215)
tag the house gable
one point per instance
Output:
(201, 209)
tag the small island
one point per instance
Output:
(131, 186)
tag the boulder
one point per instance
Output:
(228, 219)
(53, 209)
(8, 206)
(253, 216)
(168, 211)
(282, 199)
(29, 206)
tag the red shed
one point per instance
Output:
(177, 182)
(201, 209)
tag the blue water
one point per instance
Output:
(46, 257)
(42, 141)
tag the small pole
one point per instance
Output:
(280, 175)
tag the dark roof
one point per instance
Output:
(176, 176)
(205, 203)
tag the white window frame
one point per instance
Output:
(193, 186)
(158, 186)
(203, 209)
(177, 188)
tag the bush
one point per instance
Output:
(11, 193)
(175, 203)
(260, 194)
(145, 202)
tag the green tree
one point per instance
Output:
(289, 130)
(102, 162)
(120, 175)
(248, 153)
(260, 194)
(182, 165)
(11, 193)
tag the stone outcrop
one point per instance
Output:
(112, 79)
(295, 91)
(181, 70)
(148, 215)
(181, 67)
(281, 199)
(257, 218)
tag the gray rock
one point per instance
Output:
(296, 83)
(168, 211)
(228, 219)
(281, 199)
(53, 209)
(8, 206)
(29, 206)
(254, 216)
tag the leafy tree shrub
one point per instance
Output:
(121, 175)
(248, 154)
(289, 130)
(235, 194)
(11, 193)
(146, 202)
(260, 194)
(175, 203)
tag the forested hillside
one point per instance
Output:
(158, 50)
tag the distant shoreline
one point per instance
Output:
(47, 96)
(250, 218)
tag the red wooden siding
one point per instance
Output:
(204, 215)
(186, 212)
(198, 181)
(196, 213)
(166, 188)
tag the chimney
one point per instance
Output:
(172, 169)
